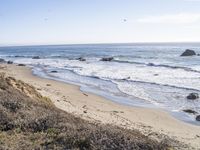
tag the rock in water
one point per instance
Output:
(151, 64)
(36, 57)
(193, 96)
(190, 111)
(9, 62)
(188, 52)
(198, 118)
(81, 59)
(54, 71)
(107, 59)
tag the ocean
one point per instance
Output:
(142, 75)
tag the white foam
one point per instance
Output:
(113, 71)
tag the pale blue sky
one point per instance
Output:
(30, 22)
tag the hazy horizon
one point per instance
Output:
(131, 43)
(61, 22)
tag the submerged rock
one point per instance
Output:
(54, 71)
(126, 78)
(190, 111)
(151, 64)
(198, 118)
(81, 59)
(193, 96)
(188, 52)
(17, 56)
(36, 57)
(107, 59)
(9, 62)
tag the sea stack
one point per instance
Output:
(188, 52)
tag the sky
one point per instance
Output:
(38, 22)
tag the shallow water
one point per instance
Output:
(147, 75)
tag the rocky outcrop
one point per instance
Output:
(107, 59)
(193, 96)
(188, 52)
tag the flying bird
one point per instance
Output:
(125, 20)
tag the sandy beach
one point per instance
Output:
(151, 122)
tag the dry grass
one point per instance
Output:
(30, 121)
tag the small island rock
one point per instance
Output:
(188, 52)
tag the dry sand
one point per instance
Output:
(152, 122)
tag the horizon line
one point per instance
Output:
(106, 43)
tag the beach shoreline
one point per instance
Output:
(151, 122)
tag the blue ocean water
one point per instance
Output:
(147, 75)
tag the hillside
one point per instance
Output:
(31, 121)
